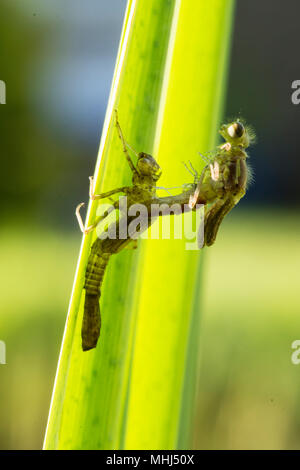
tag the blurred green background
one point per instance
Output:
(57, 60)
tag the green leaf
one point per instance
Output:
(135, 391)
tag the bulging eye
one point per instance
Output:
(142, 155)
(236, 130)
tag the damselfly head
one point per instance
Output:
(148, 166)
(237, 134)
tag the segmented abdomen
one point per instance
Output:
(97, 263)
(91, 323)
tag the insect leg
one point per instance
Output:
(79, 218)
(91, 227)
(94, 196)
(167, 189)
(193, 169)
(187, 168)
(194, 197)
(125, 145)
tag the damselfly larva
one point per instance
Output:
(145, 174)
(220, 186)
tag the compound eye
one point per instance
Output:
(236, 130)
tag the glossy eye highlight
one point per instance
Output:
(236, 130)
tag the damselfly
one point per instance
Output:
(220, 186)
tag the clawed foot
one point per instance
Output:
(84, 230)
(92, 190)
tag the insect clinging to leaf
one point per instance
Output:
(224, 181)
(220, 186)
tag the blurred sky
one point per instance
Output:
(58, 60)
(58, 63)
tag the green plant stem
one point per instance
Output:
(130, 392)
